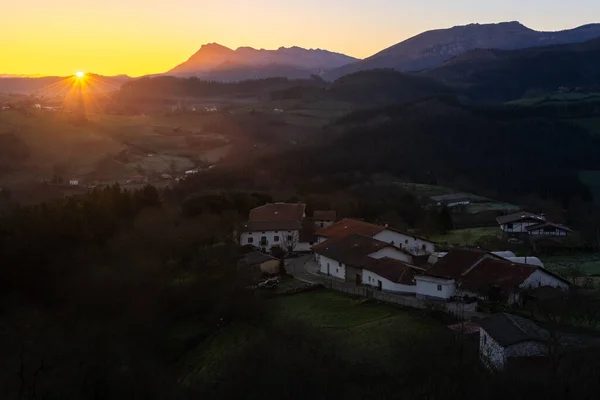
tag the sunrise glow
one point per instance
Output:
(80, 74)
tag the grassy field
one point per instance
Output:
(589, 263)
(592, 125)
(359, 330)
(460, 237)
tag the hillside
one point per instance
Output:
(432, 48)
(498, 75)
(212, 61)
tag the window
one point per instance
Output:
(322, 224)
(250, 240)
(276, 238)
(336, 271)
(406, 241)
(290, 238)
(484, 339)
(510, 226)
(439, 288)
(424, 247)
(311, 243)
(263, 240)
(340, 263)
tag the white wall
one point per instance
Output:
(321, 224)
(392, 253)
(407, 242)
(542, 278)
(327, 266)
(519, 227)
(429, 287)
(491, 353)
(303, 246)
(541, 232)
(270, 235)
(371, 279)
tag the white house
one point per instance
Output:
(505, 336)
(518, 222)
(73, 182)
(548, 229)
(483, 275)
(324, 219)
(452, 200)
(406, 242)
(274, 225)
(363, 260)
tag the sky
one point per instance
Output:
(138, 37)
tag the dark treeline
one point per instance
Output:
(145, 89)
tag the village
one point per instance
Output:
(488, 291)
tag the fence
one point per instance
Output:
(370, 293)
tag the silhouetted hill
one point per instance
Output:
(498, 75)
(213, 59)
(385, 86)
(431, 48)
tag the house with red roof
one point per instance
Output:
(283, 225)
(408, 242)
(484, 275)
(364, 260)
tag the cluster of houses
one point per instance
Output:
(386, 259)
(524, 223)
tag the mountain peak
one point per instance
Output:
(432, 48)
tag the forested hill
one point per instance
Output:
(438, 140)
(497, 75)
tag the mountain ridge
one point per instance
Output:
(432, 48)
(212, 56)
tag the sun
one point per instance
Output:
(80, 74)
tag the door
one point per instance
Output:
(328, 273)
(358, 279)
(379, 286)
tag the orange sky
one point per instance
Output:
(138, 37)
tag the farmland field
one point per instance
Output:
(460, 237)
(360, 331)
(589, 263)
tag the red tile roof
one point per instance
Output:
(325, 215)
(263, 226)
(456, 262)
(352, 249)
(499, 273)
(348, 226)
(394, 270)
(278, 212)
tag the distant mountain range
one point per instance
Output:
(216, 61)
(432, 48)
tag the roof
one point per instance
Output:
(498, 273)
(278, 212)
(550, 224)
(257, 257)
(393, 270)
(349, 226)
(456, 262)
(330, 215)
(263, 226)
(509, 329)
(506, 219)
(526, 260)
(352, 249)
